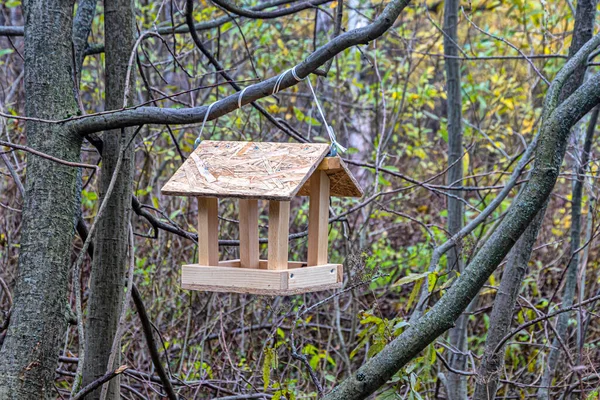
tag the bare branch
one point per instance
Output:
(157, 115)
(254, 14)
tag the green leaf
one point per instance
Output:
(410, 278)
(299, 114)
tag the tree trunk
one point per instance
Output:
(456, 383)
(502, 310)
(572, 269)
(38, 321)
(110, 249)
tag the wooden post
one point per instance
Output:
(279, 229)
(318, 219)
(208, 231)
(249, 249)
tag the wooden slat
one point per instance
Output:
(318, 219)
(263, 264)
(249, 247)
(208, 231)
(314, 276)
(330, 163)
(291, 264)
(230, 263)
(279, 227)
(245, 280)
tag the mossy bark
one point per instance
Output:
(30, 352)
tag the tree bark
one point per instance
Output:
(456, 383)
(110, 249)
(572, 269)
(30, 352)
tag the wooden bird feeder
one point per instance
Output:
(275, 172)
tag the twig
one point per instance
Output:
(147, 329)
(542, 318)
(47, 156)
(100, 381)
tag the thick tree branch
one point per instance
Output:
(82, 26)
(157, 115)
(11, 31)
(549, 155)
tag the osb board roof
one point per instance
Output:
(274, 171)
(342, 183)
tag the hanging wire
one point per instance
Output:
(199, 138)
(335, 146)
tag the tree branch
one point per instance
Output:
(168, 30)
(157, 115)
(11, 31)
(255, 14)
(98, 382)
(189, 18)
(549, 155)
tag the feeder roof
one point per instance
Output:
(258, 170)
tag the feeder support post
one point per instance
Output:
(279, 229)
(249, 248)
(208, 231)
(318, 219)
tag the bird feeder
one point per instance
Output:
(275, 172)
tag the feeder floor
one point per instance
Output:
(230, 277)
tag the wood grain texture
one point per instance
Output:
(343, 183)
(246, 170)
(330, 163)
(318, 219)
(208, 231)
(279, 228)
(260, 281)
(249, 247)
